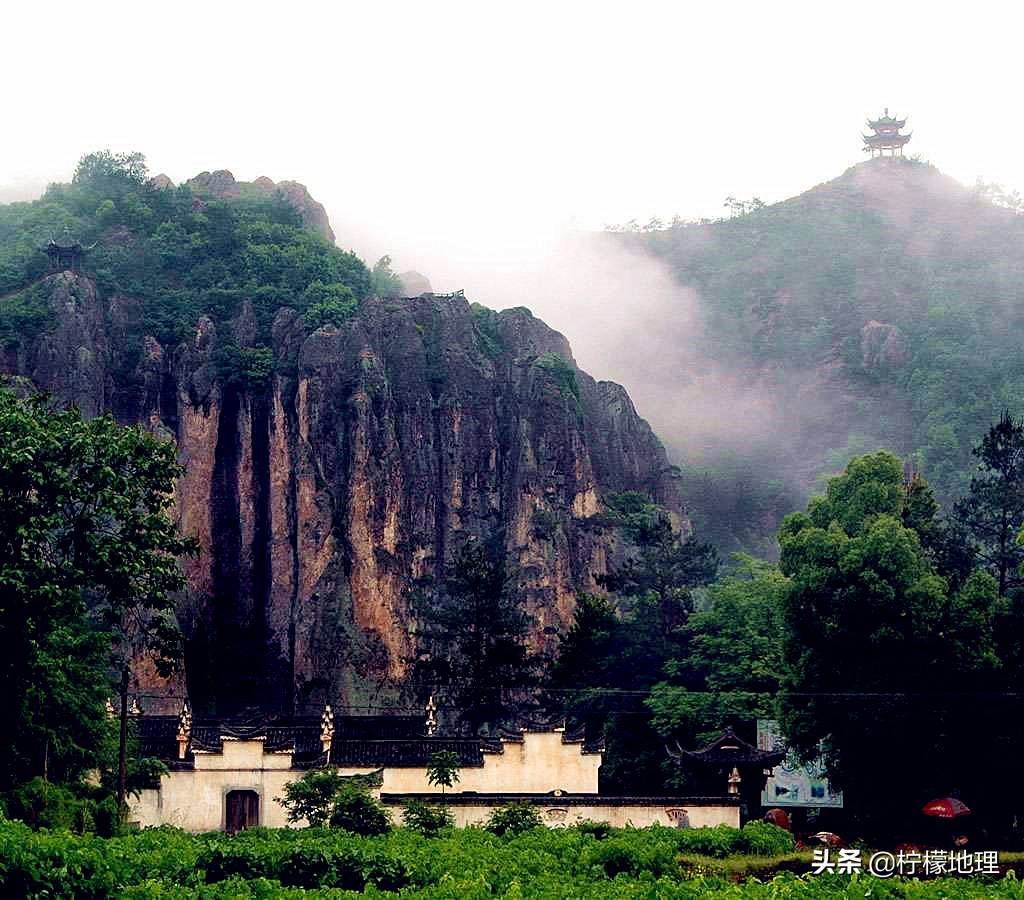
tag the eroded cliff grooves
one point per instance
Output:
(324, 497)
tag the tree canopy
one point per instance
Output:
(885, 666)
(178, 254)
(472, 642)
(88, 564)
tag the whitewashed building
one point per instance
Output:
(228, 775)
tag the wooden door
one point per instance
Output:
(242, 810)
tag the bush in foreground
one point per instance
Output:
(426, 819)
(469, 862)
(514, 818)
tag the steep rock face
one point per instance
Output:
(323, 501)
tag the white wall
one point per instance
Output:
(636, 815)
(193, 799)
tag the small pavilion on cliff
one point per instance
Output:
(886, 140)
(65, 252)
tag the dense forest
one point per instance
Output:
(880, 309)
(178, 253)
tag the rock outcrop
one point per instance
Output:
(414, 284)
(882, 345)
(222, 185)
(324, 500)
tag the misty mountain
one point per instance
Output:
(881, 309)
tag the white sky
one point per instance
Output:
(464, 138)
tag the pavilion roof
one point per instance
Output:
(65, 241)
(886, 121)
(886, 140)
(731, 750)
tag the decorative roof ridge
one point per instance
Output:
(730, 746)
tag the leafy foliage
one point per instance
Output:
(426, 819)
(323, 796)
(443, 769)
(733, 668)
(885, 667)
(312, 796)
(488, 331)
(383, 281)
(541, 862)
(178, 255)
(615, 652)
(328, 304)
(356, 810)
(561, 373)
(992, 512)
(88, 564)
(514, 818)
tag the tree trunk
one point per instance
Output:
(122, 750)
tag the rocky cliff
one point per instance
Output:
(327, 494)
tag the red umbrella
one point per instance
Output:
(776, 816)
(946, 808)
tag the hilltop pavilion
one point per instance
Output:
(886, 140)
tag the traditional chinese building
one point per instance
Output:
(229, 774)
(886, 139)
(730, 763)
(65, 253)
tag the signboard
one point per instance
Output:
(793, 783)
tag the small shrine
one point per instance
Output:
(65, 252)
(731, 763)
(886, 140)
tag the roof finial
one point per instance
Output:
(184, 728)
(431, 716)
(734, 781)
(327, 730)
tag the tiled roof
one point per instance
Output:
(358, 741)
(415, 752)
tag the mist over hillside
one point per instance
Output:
(880, 309)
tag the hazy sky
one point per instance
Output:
(464, 138)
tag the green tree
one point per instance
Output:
(733, 667)
(472, 641)
(514, 818)
(312, 797)
(443, 769)
(328, 304)
(615, 652)
(384, 282)
(879, 654)
(106, 170)
(356, 810)
(664, 568)
(992, 513)
(426, 819)
(88, 564)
